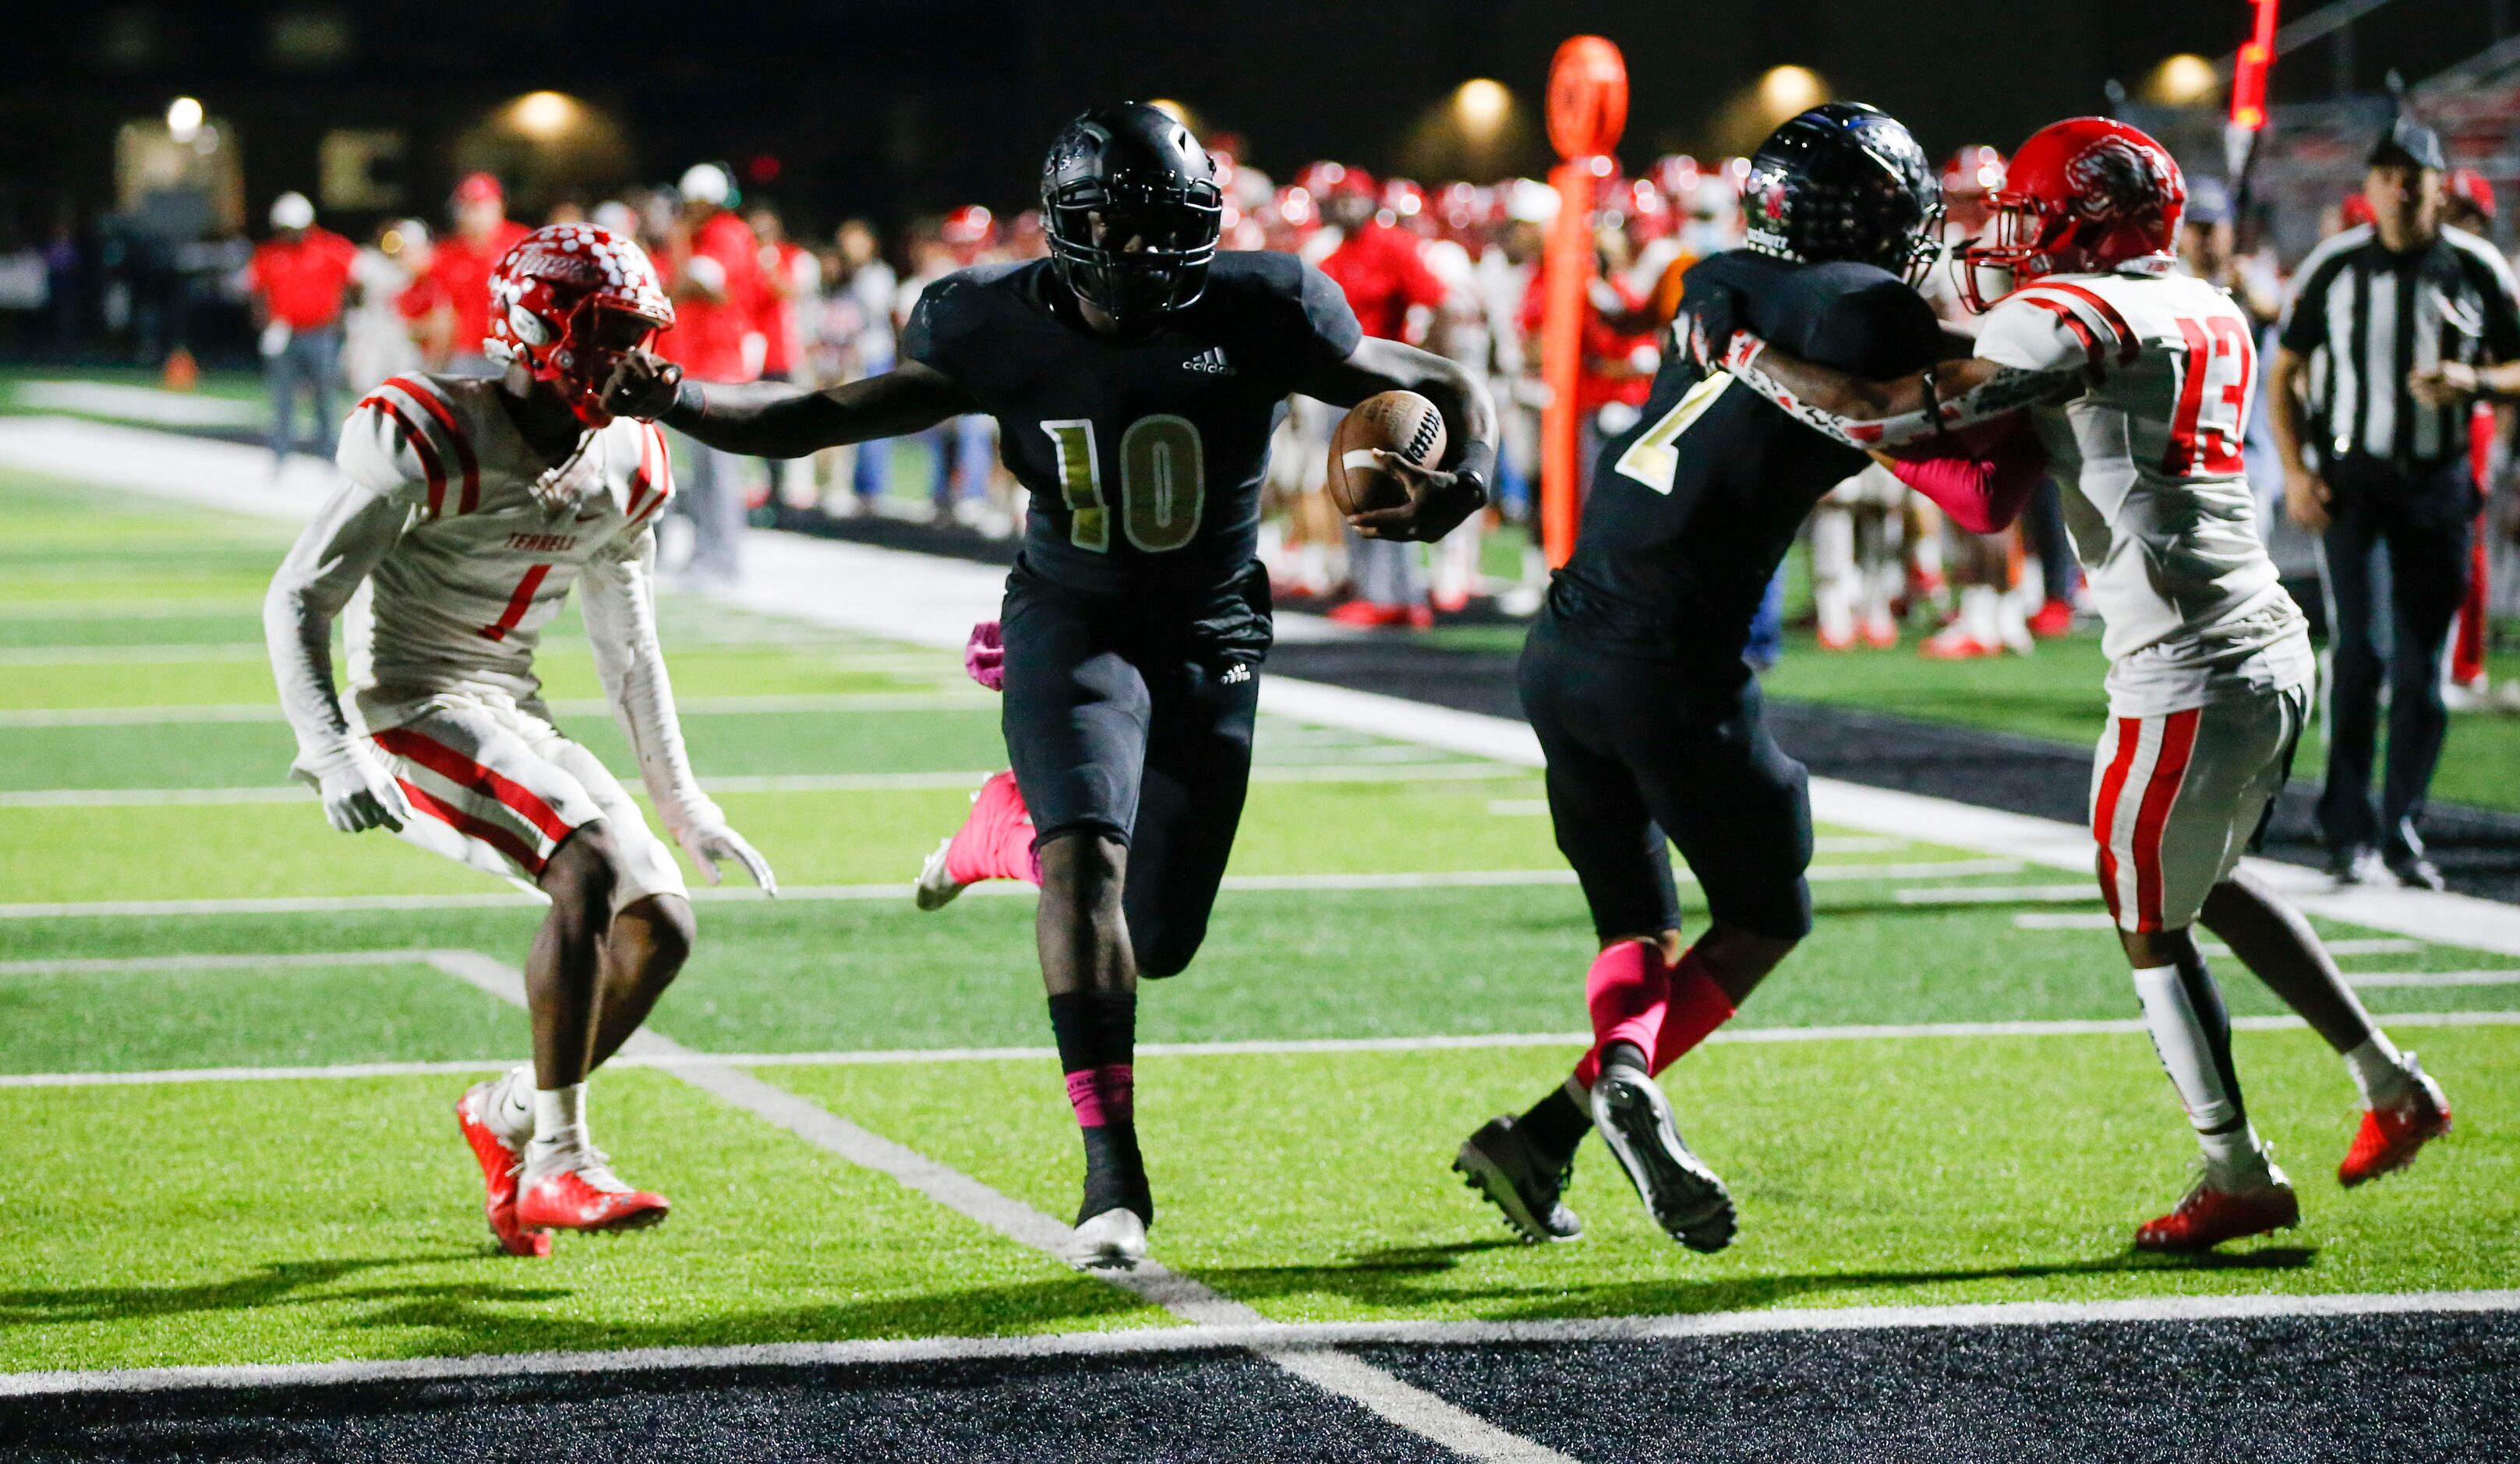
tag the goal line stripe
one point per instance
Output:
(1283, 1339)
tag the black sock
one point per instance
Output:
(1096, 1035)
(1624, 1055)
(1556, 1123)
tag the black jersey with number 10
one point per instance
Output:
(1144, 455)
(1692, 508)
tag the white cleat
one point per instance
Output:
(1113, 1241)
(936, 889)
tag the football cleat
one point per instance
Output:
(500, 1162)
(2208, 1217)
(575, 1189)
(1881, 634)
(1951, 642)
(1502, 1163)
(1684, 1195)
(2052, 619)
(1113, 1241)
(2390, 1136)
(1837, 640)
(994, 843)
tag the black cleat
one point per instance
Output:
(1502, 1163)
(2416, 872)
(1684, 1197)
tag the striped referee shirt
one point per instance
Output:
(2365, 319)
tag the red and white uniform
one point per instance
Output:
(451, 548)
(2210, 662)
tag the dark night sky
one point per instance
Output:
(892, 106)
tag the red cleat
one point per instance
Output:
(1832, 640)
(2053, 620)
(1365, 615)
(1951, 642)
(580, 1192)
(499, 1165)
(995, 842)
(1881, 635)
(2209, 1216)
(2390, 1136)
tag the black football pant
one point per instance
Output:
(2423, 522)
(1637, 752)
(1120, 719)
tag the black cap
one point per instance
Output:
(2409, 142)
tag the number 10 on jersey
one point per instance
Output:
(1164, 482)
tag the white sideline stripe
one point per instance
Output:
(1360, 1382)
(1469, 879)
(146, 403)
(2000, 895)
(95, 965)
(1279, 1337)
(115, 654)
(1250, 1047)
(299, 792)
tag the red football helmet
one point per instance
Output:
(2083, 194)
(1327, 181)
(1406, 203)
(568, 303)
(2467, 186)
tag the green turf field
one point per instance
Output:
(235, 1217)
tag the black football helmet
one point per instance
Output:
(1132, 207)
(1845, 181)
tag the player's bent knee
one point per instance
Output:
(580, 876)
(663, 931)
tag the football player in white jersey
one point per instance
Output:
(470, 509)
(2134, 381)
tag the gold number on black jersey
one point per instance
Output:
(1651, 459)
(1164, 482)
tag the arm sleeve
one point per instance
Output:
(347, 538)
(1981, 475)
(618, 600)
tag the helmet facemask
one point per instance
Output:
(1134, 258)
(2024, 239)
(570, 303)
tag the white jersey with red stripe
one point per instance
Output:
(494, 538)
(2148, 453)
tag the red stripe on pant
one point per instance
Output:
(502, 839)
(2104, 810)
(2169, 771)
(454, 768)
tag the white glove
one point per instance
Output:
(359, 794)
(706, 842)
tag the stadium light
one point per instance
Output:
(2184, 80)
(545, 116)
(1480, 106)
(1787, 90)
(184, 120)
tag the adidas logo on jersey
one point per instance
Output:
(1237, 673)
(1209, 362)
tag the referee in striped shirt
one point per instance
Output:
(2390, 329)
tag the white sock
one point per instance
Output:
(512, 1106)
(559, 1115)
(2380, 1070)
(2233, 1161)
(2180, 1040)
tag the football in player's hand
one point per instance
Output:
(1402, 422)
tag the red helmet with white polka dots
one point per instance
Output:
(568, 303)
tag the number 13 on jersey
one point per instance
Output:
(1164, 482)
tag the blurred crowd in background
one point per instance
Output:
(1450, 266)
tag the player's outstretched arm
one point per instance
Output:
(1439, 498)
(1909, 415)
(770, 419)
(347, 539)
(617, 598)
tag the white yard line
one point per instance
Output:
(2431, 978)
(1282, 1338)
(257, 711)
(109, 965)
(649, 1056)
(1469, 879)
(1360, 1382)
(294, 792)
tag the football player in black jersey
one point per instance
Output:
(1136, 376)
(1634, 677)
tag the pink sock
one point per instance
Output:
(1697, 1007)
(1627, 991)
(1102, 1096)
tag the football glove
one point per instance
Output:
(359, 794)
(984, 656)
(706, 842)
